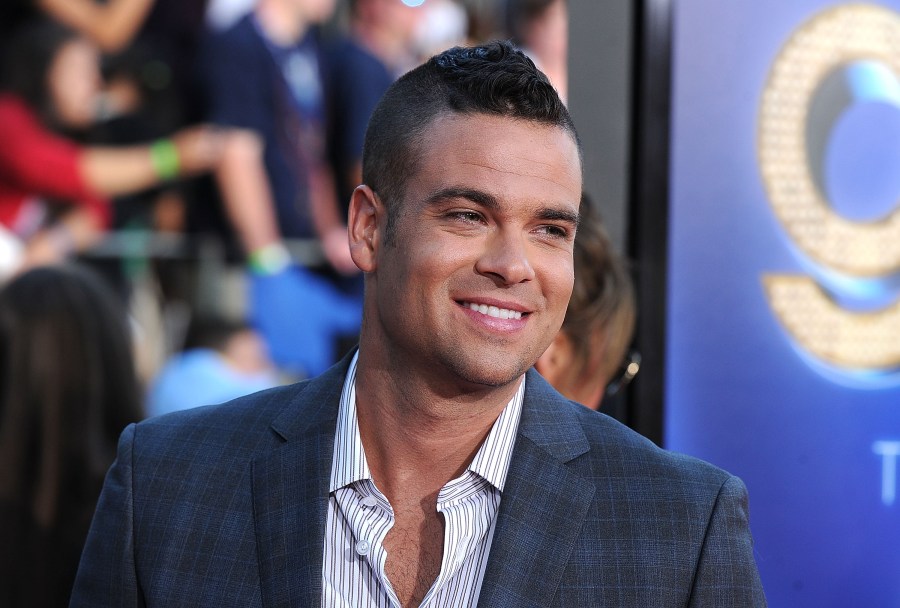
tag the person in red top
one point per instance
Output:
(53, 191)
(36, 164)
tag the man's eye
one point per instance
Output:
(466, 216)
(553, 231)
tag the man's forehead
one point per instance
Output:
(471, 126)
(451, 119)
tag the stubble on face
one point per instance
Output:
(433, 263)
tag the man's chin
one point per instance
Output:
(491, 375)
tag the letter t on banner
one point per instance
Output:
(888, 450)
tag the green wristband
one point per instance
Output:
(268, 260)
(164, 156)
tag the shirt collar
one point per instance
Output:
(491, 461)
(349, 463)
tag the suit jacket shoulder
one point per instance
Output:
(240, 425)
(217, 506)
(594, 514)
(639, 458)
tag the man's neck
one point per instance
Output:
(417, 439)
(280, 21)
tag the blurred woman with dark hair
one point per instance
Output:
(67, 389)
(54, 192)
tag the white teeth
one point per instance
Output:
(493, 311)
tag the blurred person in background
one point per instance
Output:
(111, 25)
(266, 74)
(67, 389)
(53, 191)
(222, 360)
(145, 43)
(376, 50)
(588, 352)
(147, 49)
(541, 29)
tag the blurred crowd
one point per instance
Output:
(134, 127)
(174, 176)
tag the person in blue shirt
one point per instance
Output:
(223, 360)
(265, 74)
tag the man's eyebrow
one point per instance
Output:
(479, 197)
(559, 215)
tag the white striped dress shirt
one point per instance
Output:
(359, 516)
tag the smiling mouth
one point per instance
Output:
(494, 311)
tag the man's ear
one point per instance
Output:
(365, 211)
(554, 363)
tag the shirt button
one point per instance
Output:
(369, 501)
(363, 546)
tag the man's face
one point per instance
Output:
(477, 279)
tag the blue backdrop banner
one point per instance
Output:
(783, 362)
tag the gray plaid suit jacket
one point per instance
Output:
(226, 506)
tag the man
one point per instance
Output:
(430, 467)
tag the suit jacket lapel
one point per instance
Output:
(290, 494)
(543, 505)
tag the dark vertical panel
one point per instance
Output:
(649, 209)
(600, 50)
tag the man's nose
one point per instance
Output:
(505, 258)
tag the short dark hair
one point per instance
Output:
(495, 78)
